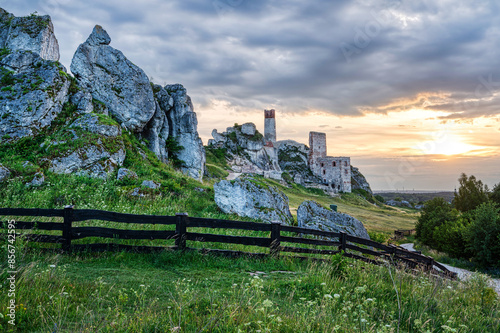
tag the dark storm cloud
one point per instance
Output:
(343, 57)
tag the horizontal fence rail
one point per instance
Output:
(336, 242)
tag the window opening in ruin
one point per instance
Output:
(334, 164)
(345, 163)
(324, 172)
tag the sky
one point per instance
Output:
(410, 90)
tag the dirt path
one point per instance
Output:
(463, 274)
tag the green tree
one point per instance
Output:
(436, 212)
(471, 193)
(483, 235)
(495, 194)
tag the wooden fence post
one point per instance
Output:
(180, 230)
(274, 248)
(430, 265)
(343, 246)
(68, 220)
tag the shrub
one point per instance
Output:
(436, 212)
(483, 235)
(379, 198)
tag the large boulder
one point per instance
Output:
(311, 214)
(31, 33)
(247, 197)
(33, 94)
(114, 80)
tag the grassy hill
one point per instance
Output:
(191, 292)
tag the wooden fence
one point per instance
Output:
(399, 234)
(282, 237)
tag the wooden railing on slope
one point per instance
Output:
(349, 246)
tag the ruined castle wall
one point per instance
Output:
(269, 126)
(317, 150)
(335, 172)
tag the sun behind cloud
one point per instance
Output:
(449, 144)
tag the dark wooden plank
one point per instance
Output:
(308, 241)
(243, 240)
(303, 250)
(363, 250)
(31, 212)
(100, 247)
(367, 242)
(90, 214)
(39, 225)
(400, 252)
(443, 268)
(83, 232)
(308, 231)
(198, 222)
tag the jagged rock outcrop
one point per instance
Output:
(4, 173)
(312, 215)
(247, 197)
(247, 151)
(183, 126)
(358, 181)
(114, 80)
(33, 92)
(31, 33)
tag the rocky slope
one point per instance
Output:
(80, 121)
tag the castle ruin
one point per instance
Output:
(334, 171)
(262, 154)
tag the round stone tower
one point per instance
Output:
(270, 126)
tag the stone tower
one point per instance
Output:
(317, 145)
(269, 126)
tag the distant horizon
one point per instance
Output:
(410, 91)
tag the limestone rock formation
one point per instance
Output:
(151, 184)
(358, 181)
(31, 33)
(83, 101)
(92, 160)
(125, 173)
(91, 123)
(246, 197)
(38, 179)
(293, 159)
(183, 127)
(247, 150)
(4, 173)
(33, 93)
(312, 215)
(114, 80)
